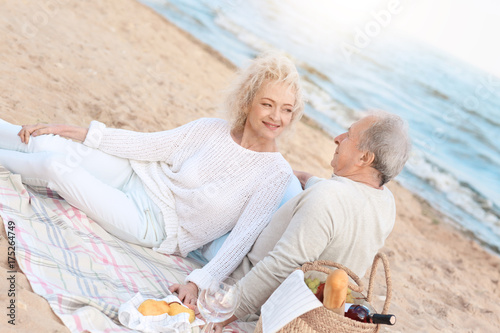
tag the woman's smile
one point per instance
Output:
(271, 126)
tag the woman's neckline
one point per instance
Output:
(233, 140)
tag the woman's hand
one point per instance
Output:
(188, 293)
(68, 131)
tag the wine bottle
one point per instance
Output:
(363, 314)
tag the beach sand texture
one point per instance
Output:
(119, 62)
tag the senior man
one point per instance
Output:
(345, 219)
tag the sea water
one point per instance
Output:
(452, 108)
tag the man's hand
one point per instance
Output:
(303, 177)
(220, 326)
(188, 293)
(67, 131)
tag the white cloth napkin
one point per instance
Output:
(290, 300)
(130, 317)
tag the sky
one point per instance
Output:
(467, 29)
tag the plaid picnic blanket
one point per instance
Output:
(82, 271)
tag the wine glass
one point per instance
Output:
(218, 302)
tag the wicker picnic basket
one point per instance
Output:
(322, 320)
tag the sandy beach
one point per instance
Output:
(121, 63)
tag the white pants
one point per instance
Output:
(103, 186)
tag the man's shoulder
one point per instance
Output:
(324, 192)
(334, 185)
(341, 189)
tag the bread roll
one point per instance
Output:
(151, 307)
(336, 291)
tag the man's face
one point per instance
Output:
(347, 158)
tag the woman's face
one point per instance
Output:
(271, 111)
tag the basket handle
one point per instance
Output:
(319, 265)
(388, 281)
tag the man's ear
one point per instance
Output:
(367, 158)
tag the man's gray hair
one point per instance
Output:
(389, 141)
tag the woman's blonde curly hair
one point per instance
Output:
(273, 67)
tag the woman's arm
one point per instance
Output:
(150, 146)
(255, 216)
(68, 131)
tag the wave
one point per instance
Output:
(462, 195)
(241, 34)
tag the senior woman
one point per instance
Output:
(179, 189)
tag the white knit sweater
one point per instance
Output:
(205, 185)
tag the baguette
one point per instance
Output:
(336, 291)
